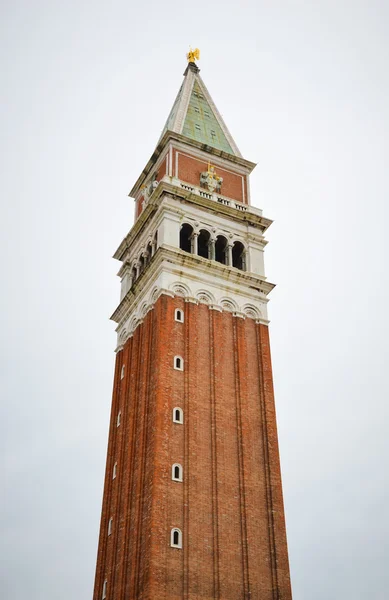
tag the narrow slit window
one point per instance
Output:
(177, 472)
(179, 315)
(104, 594)
(178, 363)
(114, 470)
(176, 538)
(110, 526)
(178, 415)
(118, 419)
(122, 372)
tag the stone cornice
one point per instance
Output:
(178, 260)
(171, 136)
(178, 193)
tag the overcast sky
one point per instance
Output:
(86, 88)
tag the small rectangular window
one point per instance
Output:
(197, 109)
(104, 594)
(114, 470)
(198, 128)
(176, 538)
(179, 315)
(118, 419)
(122, 371)
(213, 134)
(178, 363)
(206, 113)
(178, 415)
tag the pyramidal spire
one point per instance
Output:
(195, 115)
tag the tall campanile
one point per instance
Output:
(192, 506)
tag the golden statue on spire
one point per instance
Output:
(193, 55)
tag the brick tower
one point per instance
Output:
(192, 505)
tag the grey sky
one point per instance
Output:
(86, 89)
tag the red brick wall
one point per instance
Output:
(190, 168)
(229, 506)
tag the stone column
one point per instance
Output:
(195, 236)
(229, 254)
(211, 248)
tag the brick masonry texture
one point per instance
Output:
(190, 169)
(229, 506)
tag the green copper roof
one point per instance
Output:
(201, 124)
(173, 112)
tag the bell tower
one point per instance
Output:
(192, 505)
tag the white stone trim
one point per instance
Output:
(178, 312)
(181, 421)
(172, 544)
(178, 363)
(180, 477)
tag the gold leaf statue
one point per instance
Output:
(193, 55)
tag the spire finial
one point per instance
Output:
(193, 55)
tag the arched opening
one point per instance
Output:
(177, 472)
(149, 251)
(176, 538)
(178, 415)
(178, 363)
(133, 274)
(142, 263)
(185, 237)
(220, 249)
(203, 243)
(179, 315)
(238, 252)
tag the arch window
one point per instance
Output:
(114, 470)
(133, 274)
(149, 251)
(221, 249)
(122, 371)
(179, 315)
(203, 243)
(178, 415)
(177, 472)
(142, 263)
(176, 538)
(186, 237)
(178, 363)
(104, 594)
(110, 522)
(238, 256)
(118, 419)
